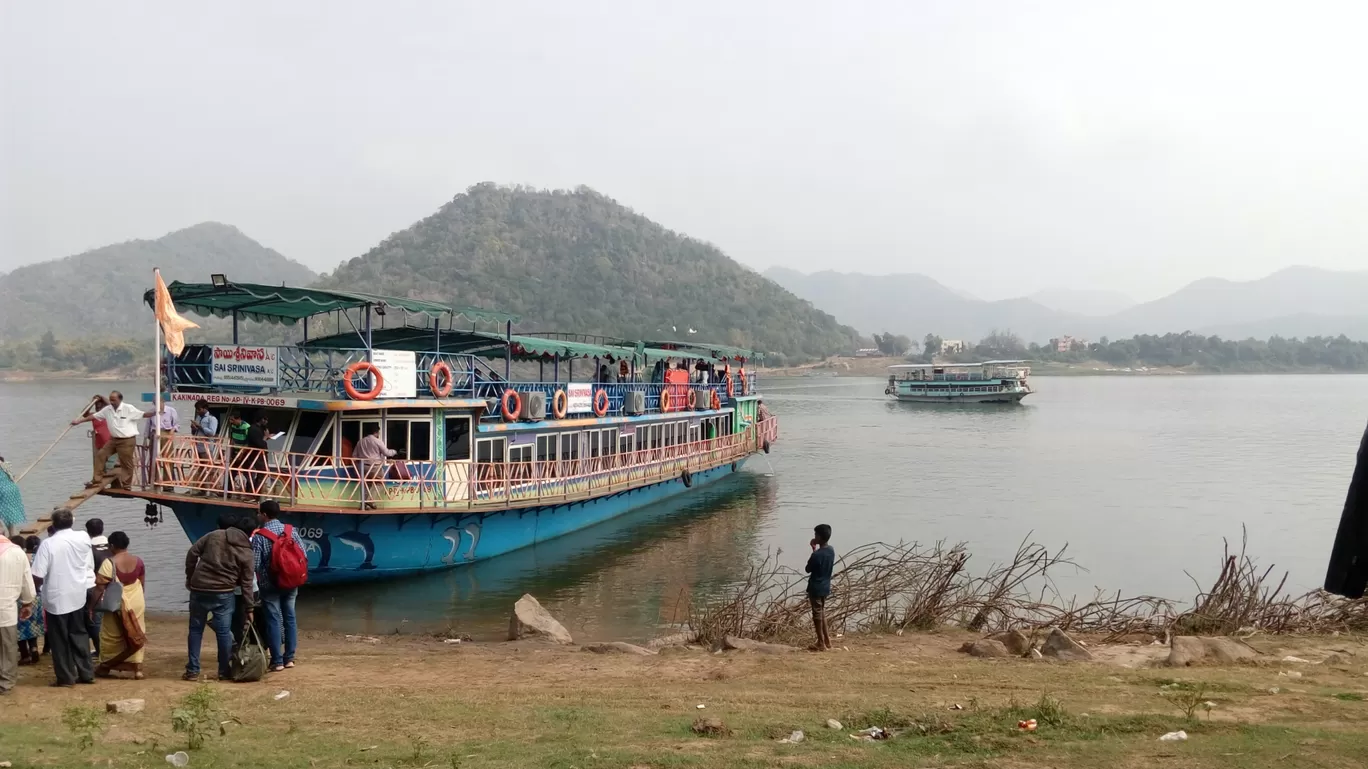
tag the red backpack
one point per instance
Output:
(289, 565)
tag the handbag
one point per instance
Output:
(249, 658)
(112, 600)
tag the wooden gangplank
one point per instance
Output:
(39, 527)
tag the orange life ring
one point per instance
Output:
(600, 402)
(731, 385)
(693, 400)
(665, 398)
(440, 367)
(743, 381)
(716, 401)
(511, 405)
(559, 403)
(377, 379)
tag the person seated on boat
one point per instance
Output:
(122, 419)
(605, 375)
(371, 453)
(761, 411)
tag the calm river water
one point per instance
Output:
(1142, 477)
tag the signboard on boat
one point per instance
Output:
(579, 398)
(225, 399)
(399, 368)
(243, 366)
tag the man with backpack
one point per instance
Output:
(281, 567)
(216, 565)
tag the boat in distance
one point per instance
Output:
(500, 440)
(994, 381)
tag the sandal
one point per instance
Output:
(277, 668)
(289, 664)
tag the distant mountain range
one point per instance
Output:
(1297, 301)
(99, 292)
(1083, 302)
(574, 261)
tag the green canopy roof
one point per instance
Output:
(283, 304)
(483, 343)
(704, 350)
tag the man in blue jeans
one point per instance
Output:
(219, 563)
(280, 604)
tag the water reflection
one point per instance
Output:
(617, 579)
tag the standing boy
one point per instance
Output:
(819, 568)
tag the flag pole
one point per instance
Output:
(156, 389)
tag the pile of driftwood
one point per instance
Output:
(881, 588)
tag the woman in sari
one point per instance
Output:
(11, 503)
(121, 633)
(35, 627)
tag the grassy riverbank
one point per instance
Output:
(415, 702)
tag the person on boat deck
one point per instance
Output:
(203, 427)
(99, 551)
(371, 453)
(216, 565)
(281, 629)
(17, 596)
(256, 460)
(122, 420)
(64, 569)
(761, 411)
(605, 374)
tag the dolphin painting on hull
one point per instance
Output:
(361, 541)
(321, 545)
(453, 535)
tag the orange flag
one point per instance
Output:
(172, 324)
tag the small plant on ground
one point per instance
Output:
(197, 716)
(1048, 710)
(84, 722)
(1188, 699)
(419, 745)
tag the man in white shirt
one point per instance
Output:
(16, 603)
(64, 569)
(122, 420)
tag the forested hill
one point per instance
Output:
(580, 262)
(99, 293)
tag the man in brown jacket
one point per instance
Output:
(219, 563)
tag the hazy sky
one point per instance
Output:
(1000, 147)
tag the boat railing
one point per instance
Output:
(654, 398)
(199, 467)
(302, 369)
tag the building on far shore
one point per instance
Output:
(867, 352)
(1066, 343)
(952, 346)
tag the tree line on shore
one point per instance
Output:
(1150, 350)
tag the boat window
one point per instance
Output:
(570, 446)
(521, 453)
(420, 440)
(625, 444)
(693, 433)
(491, 449)
(311, 423)
(457, 438)
(546, 447)
(608, 441)
(593, 443)
(411, 438)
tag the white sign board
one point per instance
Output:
(245, 366)
(399, 368)
(579, 398)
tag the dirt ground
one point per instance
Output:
(418, 701)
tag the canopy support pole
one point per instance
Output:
(235, 328)
(508, 350)
(555, 368)
(368, 332)
(306, 330)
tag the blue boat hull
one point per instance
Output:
(353, 547)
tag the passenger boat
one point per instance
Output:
(994, 381)
(502, 439)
